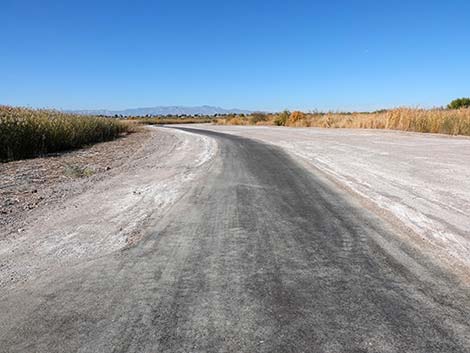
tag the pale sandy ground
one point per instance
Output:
(421, 180)
(110, 215)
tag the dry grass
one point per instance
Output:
(28, 133)
(443, 121)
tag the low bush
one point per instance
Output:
(281, 118)
(459, 103)
(256, 118)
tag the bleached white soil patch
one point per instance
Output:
(112, 214)
(423, 180)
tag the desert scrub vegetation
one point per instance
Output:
(443, 121)
(26, 133)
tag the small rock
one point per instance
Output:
(20, 230)
(108, 168)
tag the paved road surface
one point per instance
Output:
(421, 181)
(262, 256)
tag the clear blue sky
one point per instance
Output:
(269, 55)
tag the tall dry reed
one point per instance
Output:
(443, 121)
(27, 133)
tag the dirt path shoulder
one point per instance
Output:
(27, 186)
(80, 205)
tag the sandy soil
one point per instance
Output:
(27, 186)
(420, 180)
(52, 216)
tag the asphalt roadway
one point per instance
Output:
(261, 256)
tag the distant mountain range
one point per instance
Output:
(164, 110)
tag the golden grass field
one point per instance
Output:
(443, 121)
(28, 133)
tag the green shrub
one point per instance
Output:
(459, 103)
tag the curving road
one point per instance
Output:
(261, 256)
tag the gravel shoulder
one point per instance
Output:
(420, 182)
(62, 209)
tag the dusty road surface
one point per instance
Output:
(256, 254)
(420, 181)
